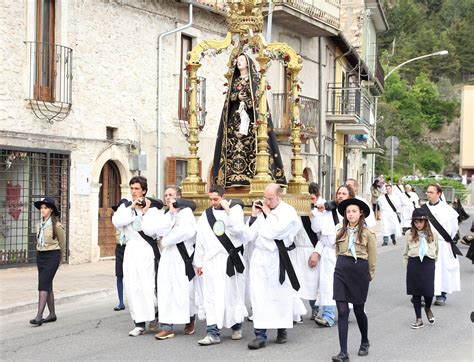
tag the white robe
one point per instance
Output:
(138, 267)
(308, 277)
(390, 223)
(447, 270)
(175, 292)
(273, 304)
(223, 297)
(407, 208)
(323, 222)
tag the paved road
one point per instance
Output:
(91, 330)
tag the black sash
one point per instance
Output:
(444, 234)
(233, 261)
(188, 260)
(285, 264)
(408, 195)
(393, 207)
(156, 252)
(335, 217)
(399, 189)
(307, 227)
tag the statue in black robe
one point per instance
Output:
(236, 145)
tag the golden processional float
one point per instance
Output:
(245, 24)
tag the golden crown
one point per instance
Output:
(245, 15)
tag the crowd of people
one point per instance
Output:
(176, 269)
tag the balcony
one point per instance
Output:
(377, 86)
(215, 6)
(349, 109)
(309, 116)
(313, 18)
(49, 80)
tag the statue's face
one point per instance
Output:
(242, 62)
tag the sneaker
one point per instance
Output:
(383, 244)
(164, 335)
(299, 321)
(282, 336)
(236, 335)
(321, 322)
(250, 318)
(189, 328)
(154, 325)
(417, 325)
(208, 340)
(440, 301)
(135, 332)
(429, 315)
(341, 357)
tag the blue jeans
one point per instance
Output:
(214, 332)
(262, 333)
(329, 314)
(169, 327)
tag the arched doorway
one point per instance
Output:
(109, 196)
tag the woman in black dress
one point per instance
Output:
(420, 253)
(50, 246)
(356, 253)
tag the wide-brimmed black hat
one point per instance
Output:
(48, 201)
(362, 205)
(419, 214)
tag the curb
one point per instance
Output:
(65, 299)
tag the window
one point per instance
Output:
(186, 46)
(177, 170)
(44, 75)
(110, 133)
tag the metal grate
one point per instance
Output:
(26, 176)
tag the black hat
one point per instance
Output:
(48, 201)
(362, 205)
(419, 214)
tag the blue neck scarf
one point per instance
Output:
(43, 226)
(423, 247)
(352, 238)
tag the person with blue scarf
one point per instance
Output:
(356, 253)
(50, 246)
(420, 254)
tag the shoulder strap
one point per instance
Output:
(393, 207)
(335, 217)
(307, 227)
(441, 230)
(188, 260)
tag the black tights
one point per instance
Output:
(43, 299)
(417, 304)
(343, 323)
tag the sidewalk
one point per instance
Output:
(19, 286)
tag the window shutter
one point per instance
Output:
(170, 171)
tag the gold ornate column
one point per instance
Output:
(193, 184)
(262, 177)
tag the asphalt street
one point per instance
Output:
(91, 330)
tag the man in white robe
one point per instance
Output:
(325, 222)
(390, 216)
(139, 258)
(176, 229)
(447, 269)
(222, 273)
(273, 227)
(304, 257)
(370, 221)
(409, 201)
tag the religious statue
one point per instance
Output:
(236, 145)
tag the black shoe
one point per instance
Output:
(282, 336)
(256, 344)
(320, 321)
(341, 357)
(364, 349)
(35, 322)
(119, 307)
(52, 319)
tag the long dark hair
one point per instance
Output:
(426, 229)
(361, 224)
(54, 224)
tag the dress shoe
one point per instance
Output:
(321, 322)
(429, 315)
(52, 319)
(162, 335)
(363, 349)
(189, 328)
(119, 307)
(341, 357)
(417, 325)
(256, 344)
(35, 322)
(282, 336)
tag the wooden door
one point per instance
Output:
(109, 196)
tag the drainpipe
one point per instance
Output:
(269, 21)
(159, 101)
(321, 114)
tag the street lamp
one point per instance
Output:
(441, 52)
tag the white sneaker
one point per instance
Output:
(299, 321)
(250, 318)
(237, 335)
(208, 340)
(135, 332)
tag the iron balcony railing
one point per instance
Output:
(326, 11)
(379, 73)
(49, 80)
(348, 101)
(308, 112)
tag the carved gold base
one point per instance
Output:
(298, 186)
(257, 186)
(193, 188)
